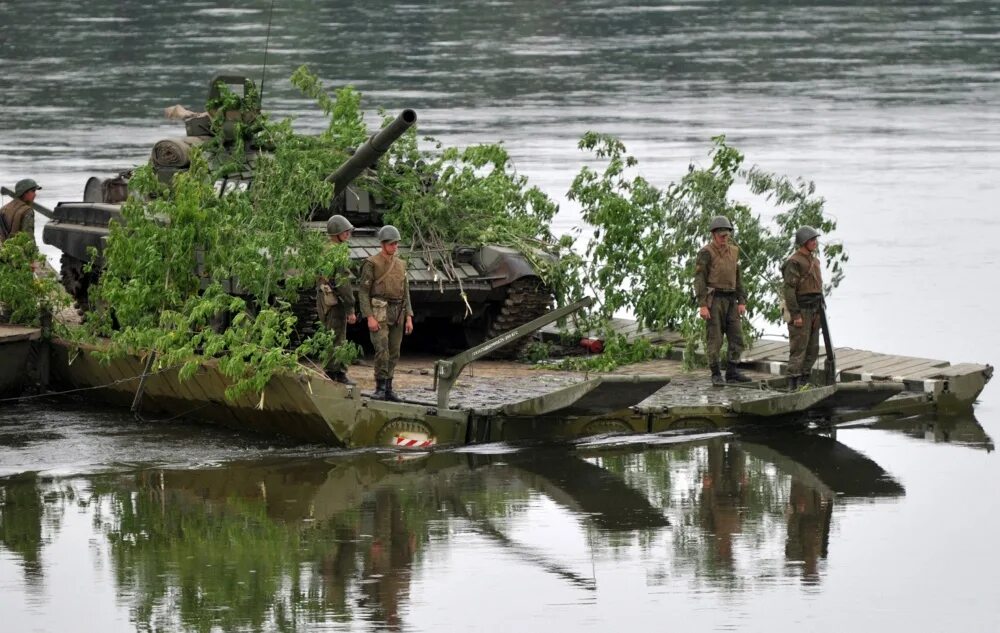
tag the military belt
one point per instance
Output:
(809, 301)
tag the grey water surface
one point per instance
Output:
(109, 524)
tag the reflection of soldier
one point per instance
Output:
(335, 299)
(803, 300)
(384, 292)
(724, 496)
(17, 215)
(809, 514)
(721, 299)
(337, 567)
(390, 558)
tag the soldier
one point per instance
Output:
(721, 299)
(385, 301)
(803, 301)
(17, 215)
(335, 299)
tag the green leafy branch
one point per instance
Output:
(24, 294)
(640, 257)
(198, 273)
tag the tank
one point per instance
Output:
(485, 291)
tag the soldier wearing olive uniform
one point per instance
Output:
(803, 292)
(722, 301)
(335, 299)
(17, 216)
(384, 293)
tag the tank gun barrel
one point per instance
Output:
(47, 212)
(370, 152)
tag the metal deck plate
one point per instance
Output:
(851, 395)
(604, 394)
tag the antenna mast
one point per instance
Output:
(267, 42)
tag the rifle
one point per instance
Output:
(830, 364)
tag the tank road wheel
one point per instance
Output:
(527, 299)
(77, 281)
(405, 433)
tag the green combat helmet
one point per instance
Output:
(337, 224)
(388, 233)
(24, 186)
(720, 222)
(804, 234)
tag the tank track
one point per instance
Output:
(305, 311)
(527, 299)
(77, 281)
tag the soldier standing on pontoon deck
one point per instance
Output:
(384, 292)
(803, 278)
(335, 299)
(17, 215)
(721, 299)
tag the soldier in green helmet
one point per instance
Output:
(803, 293)
(335, 298)
(17, 216)
(384, 292)
(722, 300)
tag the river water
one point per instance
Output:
(111, 525)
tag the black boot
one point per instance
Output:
(735, 375)
(793, 383)
(379, 389)
(341, 377)
(389, 393)
(717, 380)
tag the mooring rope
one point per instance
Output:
(51, 394)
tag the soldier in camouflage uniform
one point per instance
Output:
(384, 292)
(17, 215)
(802, 274)
(722, 301)
(335, 299)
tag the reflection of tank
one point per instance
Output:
(474, 292)
(963, 430)
(824, 463)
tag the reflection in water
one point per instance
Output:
(723, 497)
(585, 488)
(389, 556)
(283, 543)
(964, 430)
(809, 514)
(821, 470)
(21, 522)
